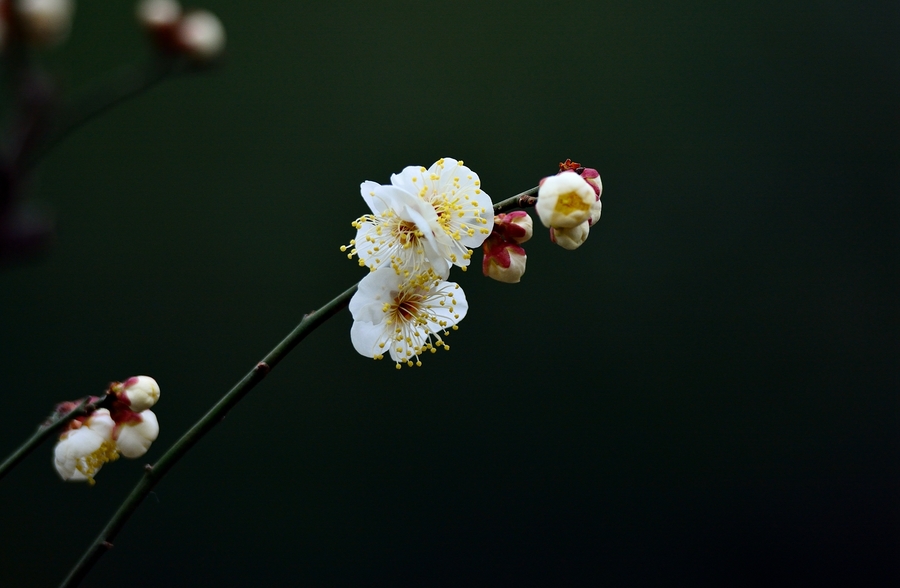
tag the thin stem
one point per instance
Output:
(153, 474)
(523, 200)
(55, 422)
(120, 86)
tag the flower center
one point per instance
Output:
(89, 464)
(571, 202)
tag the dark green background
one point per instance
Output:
(705, 392)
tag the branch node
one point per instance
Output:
(106, 545)
(525, 201)
(263, 368)
(148, 468)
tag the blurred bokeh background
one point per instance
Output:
(704, 393)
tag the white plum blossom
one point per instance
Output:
(200, 35)
(126, 428)
(425, 219)
(134, 435)
(85, 447)
(404, 319)
(139, 392)
(565, 200)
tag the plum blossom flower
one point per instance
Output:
(85, 447)
(404, 319)
(504, 258)
(135, 433)
(426, 219)
(569, 203)
(565, 200)
(137, 393)
(127, 427)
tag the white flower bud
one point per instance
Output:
(135, 436)
(158, 14)
(201, 35)
(595, 213)
(82, 451)
(523, 220)
(45, 22)
(570, 238)
(511, 274)
(139, 392)
(564, 200)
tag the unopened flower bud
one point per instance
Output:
(570, 238)
(515, 226)
(158, 15)
(200, 35)
(504, 259)
(45, 23)
(137, 433)
(564, 200)
(85, 447)
(138, 393)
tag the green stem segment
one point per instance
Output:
(153, 474)
(53, 424)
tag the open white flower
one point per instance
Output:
(404, 319)
(425, 219)
(83, 449)
(564, 200)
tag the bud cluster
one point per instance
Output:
(567, 203)
(198, 34)
(124, 426)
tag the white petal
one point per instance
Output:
(368, 190)
(77, 444)
(404, 180)
(135, 439)
(460, 309)
(434, 253)
(366, 336)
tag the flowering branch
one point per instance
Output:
(56, 421)
(153, 474)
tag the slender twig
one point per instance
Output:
(53, 424)
(120, 85)
(153, 474)
(523, 200)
